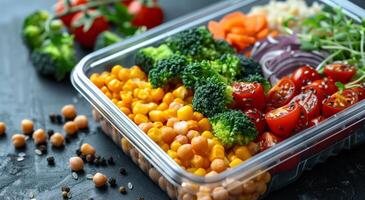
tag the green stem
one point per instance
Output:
(340, 47)
(356, 81)
(362, 47)
(320, 66)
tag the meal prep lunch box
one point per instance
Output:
(256, 177)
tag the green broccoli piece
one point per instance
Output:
(250, 66)
(212, 98)
(229, 66)
(56, 57)
(34, 28)
(166, 70)
(146, 57)
(106, 38)
(258, 79)
(195, 43)
(233, 127)
(223, 47)
(200, 73)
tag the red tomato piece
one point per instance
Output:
(360, 91)
(248, 95)
(282, 121)
(267, 140)
(281, 93)
(304, 75)
(99, 24)
(338, 102)
(146, 13)
(257, 118)
(340, 72)
(315, 90)
(60, 7)
(316, 120)
(310, 102)
(327, 85)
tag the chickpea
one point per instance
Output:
(87, 149)
(200, 145)
(2, 128)
(27, 126)
(218, 165)
(70, 128)
(182, 139)
(69, 111)
(57, 140)
(39, 136)
(185, 152)
(220, 193)
(99, 179)
(168, 134)
(81, 122)
(18, 140)
(76, 163)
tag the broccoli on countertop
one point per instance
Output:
(258, 79)
(197, 44)
(233, 127)
(167, 70)
(34, 28)
(212, 98)
(146, 57)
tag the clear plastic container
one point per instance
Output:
(266, 171)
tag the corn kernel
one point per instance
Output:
(197, 161)
(144, 94)
(200, 172)
(95, 78)
(185, 113)
(125, 110)
(154, 133)
(151, 106)
(116, 69)
(243, 153)
(204, 124)
(158, 124)
(168, 98)
(178, 161)
(179, 101)
(216, 152)
(140, 118)
(123, 74)
(136, 72)
(140, 108)
(157, 94)
(197, 116)
(171, 121)
(172, 154)
(207, 134)
(127, 97)
(109, 78)
(235, 162)
(180, 92)
(191, 170)
(193, 125)
(164, 146)
(175, 145)
(163, 106)
(131, 116)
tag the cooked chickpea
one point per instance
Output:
(168, 134)
(99, 179)
(27, 126)
(200, 145)
(69, 111)
(57, 140)
(87, 149)
(70, 127)
(2, 128)
(39, 136)
(220, 193)
(18, 140)
(182, 139)
(218, 165)
(81, 122)
(185, 152)
(76, 163)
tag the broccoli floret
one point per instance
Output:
(233, 127)
(55, 57)
(166, 70)
(212, 98)
(250, 66)
(229, 66)
(106, 38)
(196, 43)
(146, 57)
(223, 47)
(33, 29)
(258, 79)
(200, 73)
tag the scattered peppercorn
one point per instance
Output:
(50, 160)
(2, 128)
(50, 132)
(68, 139)
(122, 190)
(83, 158)
(65, 188)
(65, 194)
(112, 182)
(69, 112)
(103, 162)
(78, 152)
(52, 117)
(27, 126)
(99, 179)
(43, 148)
(111, 160)
(122, 171)
(59, 119)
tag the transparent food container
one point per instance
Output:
(264, 172)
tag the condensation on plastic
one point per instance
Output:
(266, 171)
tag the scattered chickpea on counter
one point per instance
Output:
(87, 149)
(2, 128)
(27, 126)
(69, 111)
(81, 122)
(57, 140)
(99, 179)
(76, 163)
(70, 128)
(18, 140)
(39, 136)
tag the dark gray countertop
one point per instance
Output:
(24, 94)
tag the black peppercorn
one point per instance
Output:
(122, 190)
(90, 159)
(111, 160)
(78, 152)
(65, 188)
(50, 160)
(52, 118)
(50, 132)
(103, 162)
(43, 148)
(122, 171)
(59, 119)
(112, 182)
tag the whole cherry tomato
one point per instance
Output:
(339, 101)
(248, 95)
(310, 102)
(61, 7)
(281, 93)
(327, 85)
(282, 121)
(257, 118)
(303, 76)
(98, 25)
(340, 72)
(267, 140)
(146, 13)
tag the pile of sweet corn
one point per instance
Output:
(167, 117)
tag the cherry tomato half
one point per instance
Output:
(282, 121)
(146, 13)
(257, 118)
(327, 85)
(340, 72)
(310, 102)
(248, 95)
(304, 75)
(303, 121)
(60, 7)
(360, 92)
(267, 140)
(338, 102)
(99, 24)
(281, 93)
